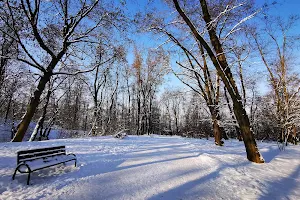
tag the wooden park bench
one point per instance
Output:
(32, 160)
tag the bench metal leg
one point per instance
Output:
(17, 169)
(28, 178)
(75, 162)
(13, 177)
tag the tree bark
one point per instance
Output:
(237, 129)
(44, 113)
(36, 130)
(40, 124)
(217, 133)
(217, 130)
(247, 134)
(34, 102)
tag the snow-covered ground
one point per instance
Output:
(155, 168)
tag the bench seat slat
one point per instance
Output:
(40, 164)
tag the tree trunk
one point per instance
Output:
(237, 129)
(34, 102)
(75, 124)
(217, 133)
(129, 105)
(95, 117)
(36, 130)
(248, 137)
(49, 125)
(294, 135)
(44, 114)
(138, 120)
(13, 129)
(176, 123)
(216, 126)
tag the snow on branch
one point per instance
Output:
(84, 71)
(234, 29)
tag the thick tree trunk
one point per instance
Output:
(216, 126)
(34, 102)
(247, 134)
(44, 114)
(217, 133)
(237, 129)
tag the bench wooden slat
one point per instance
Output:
(41, 149)
(43, 156)
(37, 152)
(32, 155)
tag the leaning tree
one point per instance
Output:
(214, 17)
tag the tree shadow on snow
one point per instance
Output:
(270, 154)
(182, 190)
(157, 161)
(163, 146)
(282, 189)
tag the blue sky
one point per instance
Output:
(285, 7)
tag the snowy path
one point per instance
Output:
(155, 168)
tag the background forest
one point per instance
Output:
(91, 68)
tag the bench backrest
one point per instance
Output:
(33, 154)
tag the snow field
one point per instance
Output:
(143, 167)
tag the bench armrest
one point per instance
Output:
(23, 164)
(72, 154)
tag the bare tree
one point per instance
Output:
(218, 58)
(173, 101)
(55, 38)
(277, 56)
(149, 77)
(205, 86)
(100, 74)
